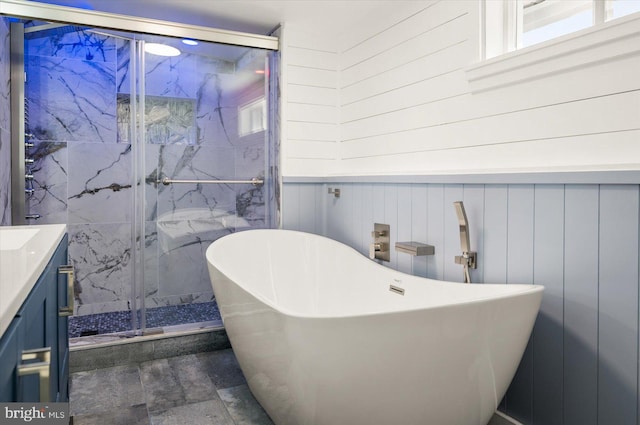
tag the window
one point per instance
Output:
(547, 19)
(252, 117)
(515, 24)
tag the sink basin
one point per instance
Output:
(25, 252)
(12, 239)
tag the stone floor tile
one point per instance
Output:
(211, 412)
(243, 407)
(223, 368)
(176, 381)
(134, 415)
(105, 390)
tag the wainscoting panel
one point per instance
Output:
(548, 267)
(520, 219)
(580, 345)
(618, 305)
(581, 241)
(494, 257)
(435, 230)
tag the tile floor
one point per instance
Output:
(195, 389)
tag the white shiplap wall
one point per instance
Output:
(309, 98)
(405, 104)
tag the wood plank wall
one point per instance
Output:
(393, 96)
(309, 101)
(580, 241)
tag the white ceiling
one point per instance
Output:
(255, 16)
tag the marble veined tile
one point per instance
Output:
(123, 60)
(182, 269)
(217, 122)
(5, 178)
(195, 163)
(71, 42)
(205, 162)
(5, 72)
(101, 256)
(174, 300)
(251, 207)
(71, 100)
(5, 119)
(50, 182)
(250, 160)
(100, 183)
(151, 187)
(250, 200)
(151, 263)
(171, 76)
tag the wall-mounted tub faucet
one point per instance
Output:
(468, 257)
(379, 247)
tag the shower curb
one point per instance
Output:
(133, 351)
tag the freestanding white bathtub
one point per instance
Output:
(322, 340)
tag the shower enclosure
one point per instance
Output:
(148, 156)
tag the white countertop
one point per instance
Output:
(25, 251)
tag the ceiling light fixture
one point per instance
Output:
(190, 42)
(161, 49)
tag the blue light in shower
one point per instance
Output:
(71, 3)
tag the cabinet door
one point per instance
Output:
(9, 354)
(42, 327)
(35, 315)
(37, 325)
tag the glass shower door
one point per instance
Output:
(80, 168)
(106, 121)
(205, 136)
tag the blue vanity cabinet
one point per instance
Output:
(36, 328)
(9, 358)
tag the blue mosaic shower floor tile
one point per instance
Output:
(120, 321)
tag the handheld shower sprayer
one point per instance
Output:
(468, 257)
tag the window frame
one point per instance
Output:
(613, 39)
(246, 117)
(511, 13)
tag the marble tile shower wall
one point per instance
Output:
(5, 121)
(78, 91)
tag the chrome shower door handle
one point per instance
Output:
(70, 272)
(42, 368)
